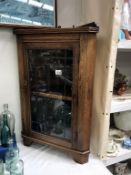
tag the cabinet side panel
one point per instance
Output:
(85, 89)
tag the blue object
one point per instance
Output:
(121, 35)
(3, 151)
(14, 140)
(127, 143)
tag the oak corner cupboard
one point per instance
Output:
(56, 68)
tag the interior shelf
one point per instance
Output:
(52, 95)
(124, 45)
(123, 154)
(121, 103)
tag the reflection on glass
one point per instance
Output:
(51, 70)
(51, 116)
(33, 12)
(50, 77)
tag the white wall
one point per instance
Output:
(68, 14)
(9, 81)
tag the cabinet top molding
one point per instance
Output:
(87, 28)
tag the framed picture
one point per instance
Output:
(28, 13)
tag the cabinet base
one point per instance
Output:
(78, 156)
(27, 142)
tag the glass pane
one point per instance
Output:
(32, 12)
(51, 116)
(50, 77)
(51, 70)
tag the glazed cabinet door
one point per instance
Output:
(51, 93)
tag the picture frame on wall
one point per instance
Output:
(28, 13)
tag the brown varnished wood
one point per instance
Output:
(23, 87)
(51, 95)
(83, 43)
(51, 140)
(85, 91)
(46, 38)
(51, 45)
(51, 30)
(29, 140)
(81, 158)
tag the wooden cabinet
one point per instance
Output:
(56, 68)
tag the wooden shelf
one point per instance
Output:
(121, 103)
(123, 154)
(124, 45)
(52, 95)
